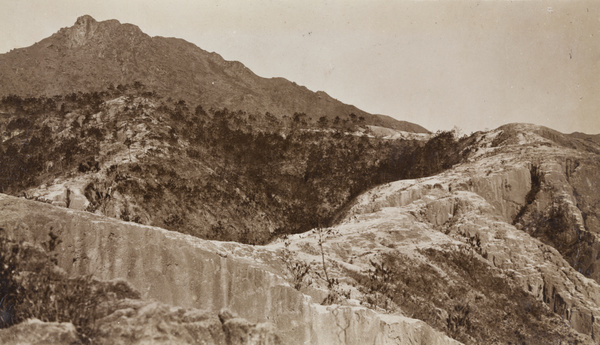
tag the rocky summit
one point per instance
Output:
(146, 214)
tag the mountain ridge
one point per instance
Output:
(92, 55)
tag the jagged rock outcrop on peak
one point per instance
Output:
(91, 56)
(82, 31)
(182, 270)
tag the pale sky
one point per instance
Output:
(471, 64)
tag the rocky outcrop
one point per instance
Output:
(84, 28)
(537, 268)
(476, 203)
(181, 270)
(448, 249)
(143, 322)
(564, 213)
(148, 322)
(505, 191)
(38, 332)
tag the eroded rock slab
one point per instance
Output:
(181, 270)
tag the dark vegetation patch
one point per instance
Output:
(536, 185)
(553, 218)
(558, 227)
(472, 303)
(213, 173)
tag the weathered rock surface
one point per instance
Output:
(461, 217)
(148, 322)
(181, 270)
(38, 332)
(475, 204)
(143, 322)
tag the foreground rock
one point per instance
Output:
(142, 322)
(38, 332)
(145, 322)
(181, 270)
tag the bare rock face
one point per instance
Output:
(448, 220)
(540, 185)
(140, 322)
(563, 210)
(144, 322)
(505, 191)
(148, 322)
(181, 270)
(238, 331)
(38, 332)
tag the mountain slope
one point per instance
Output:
(91, 56)
(129, 154)
(457, 250)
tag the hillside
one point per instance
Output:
(493, 250)
(589, 137)
(218, 174)
(93, 56)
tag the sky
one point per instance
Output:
(474, 65)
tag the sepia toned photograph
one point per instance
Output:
(315, 172)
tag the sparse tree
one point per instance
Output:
(323, 122)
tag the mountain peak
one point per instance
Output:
(82, 31)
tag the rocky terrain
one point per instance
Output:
(196, 203)
(456, 251)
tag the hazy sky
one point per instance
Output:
(472, 64)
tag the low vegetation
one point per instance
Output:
(32, 286)
(298, 270)
(462, 304)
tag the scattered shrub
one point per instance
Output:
(378, 286)
(298, 270)
(458, 321)
(32, 286)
